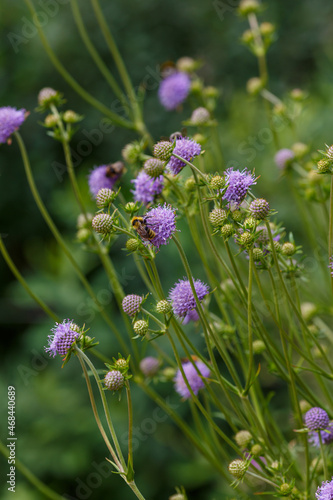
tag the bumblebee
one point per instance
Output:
(142, 228)
(115, 170)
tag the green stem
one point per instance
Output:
(43, 488)
(25, 285)
(330, 230)
(323, 456)
(130, 424)
(73, 83)
(249, 323)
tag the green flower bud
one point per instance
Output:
(132, 245)
(288, 249)
(121, 363)
(211, 92)
(258, 346)
(277, 246)
(259, 209)
(247, 37)
(153, 167)
(254, 86)
(247, 7)
(275, 465)
(304, 406)
(245, 239)
(237, 468)
(314, 177)
(140, 327)
(324, 166)
(200, 138)
(84, 221)
(190, 184)
(267, 29)
(187, 64)
(308, 310)
(243, 439)
(217, 182)
(70, 116)
(48, 96)
(196, 86)
(50, 121)
(83, 235)
(256, 450)
(102, 223)
(285, 489)
(163, 150)
(130, 207)
(258, 254)
(200, 116)
(169, 373)
(300, 149)
(217, 217)
(227, 230)
(237, 215)
(250, 223)
(104, 198)
(163, 307)
(298, 94)
(131, 153)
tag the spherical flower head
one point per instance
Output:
(200, 116)
(101, 177)
(102, 223)
(104, 197)
(62, 338)
(325, 491)
(194, 379)
(174, 89)
(153, 167)
(326, 436)
(243, 438)
(114, 380)
(10, 120)
(132, 244)
(217, 217)
(288, 249)
(149, 366)
(238, 184)
(182, 298)
(163, 307)
(131, 304)
(161, 220)
(259, 208)
(146, 188)
(316, 419)
(141, 327)
(185, 148)
(163, 150)
(237, 468)
(47, 96)
(283, 158)
(191, 316)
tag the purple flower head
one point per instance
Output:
(194, 379)
(174, 89)
(131, 304)
(182, 297)
(326, 436)
(146, 188)
(161, 220)
(191, 316)
(325, 491)
(102, 177)
(10, 120)
(63, 337)
(238, 184)
(149, 366)
(283, 158)
(114, 380)
(316, 419)
(187, 149)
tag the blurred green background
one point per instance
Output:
(57, 435)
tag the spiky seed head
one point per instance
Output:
(131, 152)
(254, 86)
(132, 245)
(256, 449)
(114, 380)
(258, 346)
(217, 182)
(259, 208)
(324, 166)
(245, 239)
(288, 249)
(163, 307)
(153, 167)
(227, 230)
(163, 150)
(243, 438)
(237, 468)
(217, 217)
(237, 215)
(140, 327)
(102, 223)
(104, 198)
(250, 223)
(277, 246)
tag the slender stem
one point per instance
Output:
(249, 322)
(73, 83)
(43, 488)
(330, 230)
(130, 424)
(25, 285)
(323, 456)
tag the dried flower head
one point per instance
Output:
(162, 222)
(185, 148)
(114, 380)
(131, 304)
(316, 419)
(10, 120)
(283, 158)
(146, 188)
(62, 338)
(101, 177)
(174, 89)
(238, 184)
(182, 298)
(149, 366)
(194, 379)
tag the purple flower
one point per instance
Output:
(330, 265)
(194, 379)
(149, 366)
(161, 220)
(238, 184)
(102, 177)
(114, 380)
(146, 188)
(182, 297)
(63, 337)
(174, 89)
(316, 419)
(187, 149)
(325, 491)
(10, 120)
(326, 436)
(191, 316)
(283, 158)
(131, 304)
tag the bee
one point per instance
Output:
(167, 68)
(175, 135)
(115, 170)
(142, 228)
